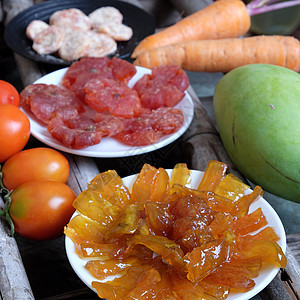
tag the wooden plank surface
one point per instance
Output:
(199, 144)
(14, 283)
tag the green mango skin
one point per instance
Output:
(257, 110)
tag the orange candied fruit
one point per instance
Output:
(165, 240)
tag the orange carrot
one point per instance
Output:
(221, 19)
(225, 54)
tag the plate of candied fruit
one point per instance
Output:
(102, 107)
(174, 234)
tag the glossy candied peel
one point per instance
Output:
(165, 240)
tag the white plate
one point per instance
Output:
(109, 147)
(265, 277)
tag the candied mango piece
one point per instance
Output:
(139, 282)
(180, 175)
(205, 259)
(143, 228)
(232, 278)
(192, 215)
(98, 250)
(111, 187)
(212, 176)
(155, 283)
(108, 291)
(249, 223)
(143, 253)
(191, 206)
(218, 203)
(187, 290)
(220, 225)
(267, 234)
(93, 205)
(216, 291)
(231, 187)
(194, 238)
(160, 188)
(159, 218)
(183, 229)
(82, 229)
(269, 252)
(121, 286)
(215, 202)
(235, 274)
(164, 289)
(126, 223)
(241, 207)
(100, 269)
(151, 185)
(166, 248)
(179, 191)
(249, 267)
(142, 185)
(146, 288)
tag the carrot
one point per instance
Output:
(221, 19)
(225, 54)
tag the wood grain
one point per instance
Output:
(14, 284)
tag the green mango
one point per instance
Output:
(257, 111)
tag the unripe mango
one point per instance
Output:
(257, 110)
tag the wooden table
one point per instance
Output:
(40, 270)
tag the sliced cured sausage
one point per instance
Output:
(172, 75)
(122, 69)
(95, 102)
(150, 126)
(47, 101)
(75, 138)
(164, 87)
(111, 95)
(90, 120)
(85, 130)
(111, 68)
(81, 80)
(87, 66)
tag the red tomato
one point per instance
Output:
(33, 164)
(8, 94)
(40, 209)
(14, 130)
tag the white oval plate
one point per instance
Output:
(109, 147)
(265, 277)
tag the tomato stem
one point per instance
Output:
(5, 193)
